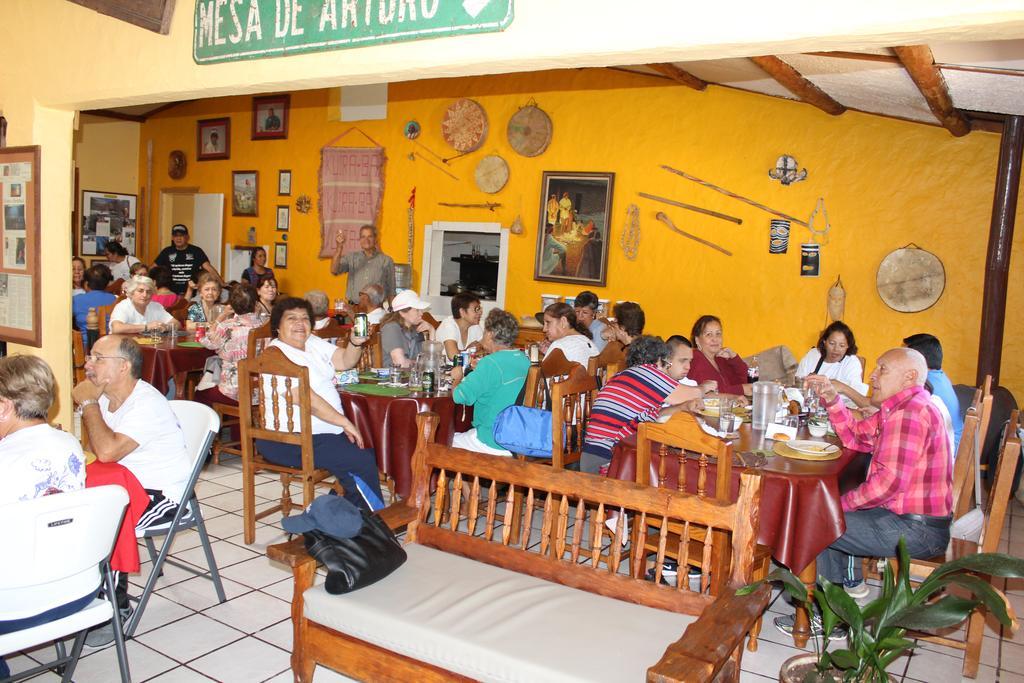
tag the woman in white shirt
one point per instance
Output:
(139, 313)
(462, 328)
(35, 458)
(120, 261)
(565, 332)
(835, 357)
(338, 446)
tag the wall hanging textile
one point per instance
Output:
(351, 191)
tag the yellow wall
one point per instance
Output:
(886, 183)
(107, 155)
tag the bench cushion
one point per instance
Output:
(493, 624)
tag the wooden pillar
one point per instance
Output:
(1000, 240)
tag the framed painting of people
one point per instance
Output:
(270, 117)
(213, 139)
(574, 227)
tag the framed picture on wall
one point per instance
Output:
(107, 217)
(270, 117)
(283, 216)
(284, 183)
(244, 193)
(213, 139)
(280, 254)
(574, 227)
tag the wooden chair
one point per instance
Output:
(77, 356)
(230, 415)
(373, 354)
(571, 402)
(995, 514)
(611, 360)
(334, 332)
(179, 309)
(434, 322)
(275, 391)
(554, 366)
(678, 440)
(116, 287)
(103, 315)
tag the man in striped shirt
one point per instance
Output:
(908, 489)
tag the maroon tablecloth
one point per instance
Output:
(161, 362)
(388, 425)
(800, 510)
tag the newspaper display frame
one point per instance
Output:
(20, 305)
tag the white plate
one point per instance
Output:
(812, 447)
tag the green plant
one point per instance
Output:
(878, 630)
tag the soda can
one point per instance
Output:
(465, 359)
(361, 326)
(200, 332)
(428, 381)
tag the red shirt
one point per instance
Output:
(731, 373)
(910, 470)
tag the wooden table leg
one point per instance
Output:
(180, 380)
(802, 626)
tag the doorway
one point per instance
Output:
(203, 213)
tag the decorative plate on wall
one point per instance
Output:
(491, 174)
(910, 279)
(177, 164)
(529, 131)
(465, 125)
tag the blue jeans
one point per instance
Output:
(334, 453)
(58, 612)
(876, 533)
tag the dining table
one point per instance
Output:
(386, 417)
(172, 357)
(800, 510)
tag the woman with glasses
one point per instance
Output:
(138, 313)
(647, 389)
(835, 357)
(462, 328)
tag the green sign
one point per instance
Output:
(232, 30)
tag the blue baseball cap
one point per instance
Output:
(331, 515)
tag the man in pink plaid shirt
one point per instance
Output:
(908, 489)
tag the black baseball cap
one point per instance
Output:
(179, 229)
(333, 515)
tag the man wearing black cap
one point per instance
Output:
(184, 260)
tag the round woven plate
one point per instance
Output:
(529, 131)
(910, 279)
(491, 174)
(782, 449)
(465, 125)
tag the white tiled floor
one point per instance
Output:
(186, 637)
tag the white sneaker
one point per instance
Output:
(858, 592)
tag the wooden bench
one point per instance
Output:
(481, 599)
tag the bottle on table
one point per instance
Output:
(753, 371)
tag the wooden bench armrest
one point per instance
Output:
(292, 553)
(398, 514)
(704, 653)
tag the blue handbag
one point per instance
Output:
(526, 431)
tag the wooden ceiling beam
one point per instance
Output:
(920, 65)
(679, 75)
(793, 81)
(120, 116)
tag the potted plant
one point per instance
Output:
(877, 631)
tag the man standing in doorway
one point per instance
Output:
(365, 267)
(185, 260)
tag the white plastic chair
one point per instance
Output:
(200, 424)
(59, 549)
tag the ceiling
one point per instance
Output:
(962, 85)
(983, 80)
